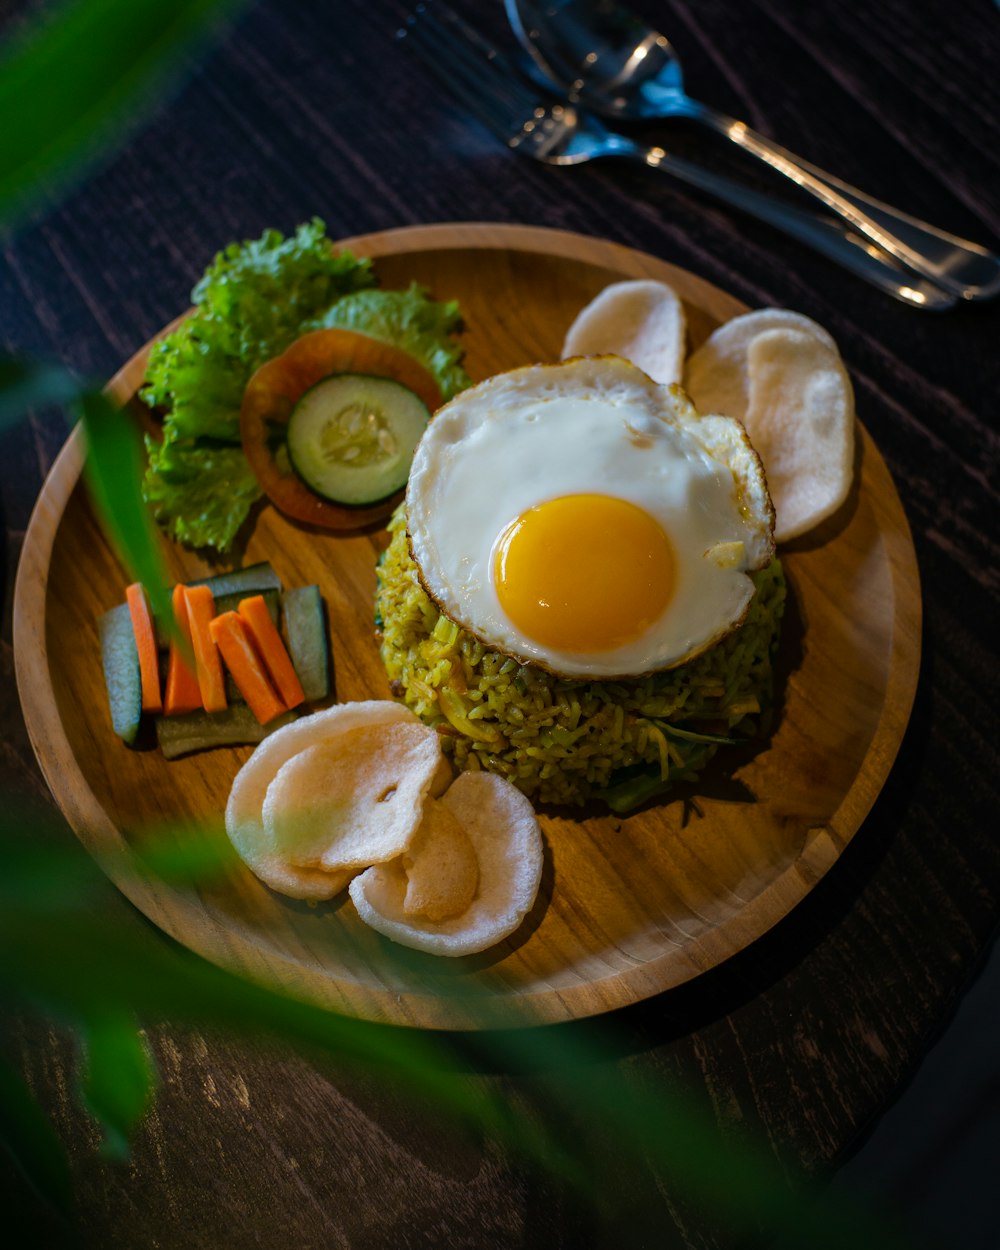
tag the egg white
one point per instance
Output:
(590, 425)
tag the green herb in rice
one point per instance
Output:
(565, 742)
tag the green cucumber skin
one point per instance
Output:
(203, 731)
(121, 671)
(252, 580)
(308, 645)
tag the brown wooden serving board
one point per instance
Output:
(629, 907)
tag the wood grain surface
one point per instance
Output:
(629, 907)
(794, 1044)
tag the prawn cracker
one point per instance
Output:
(641, 320)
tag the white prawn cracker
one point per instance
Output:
(503, 831)
(441, 867)
(352, 800)
(642, 320)
(245, 823)
(781, 375)
(717, 377)
(802, 409)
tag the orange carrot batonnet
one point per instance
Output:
(145, 642)
(208, 665)
(182, 693)
(271, 649)
(233, 640)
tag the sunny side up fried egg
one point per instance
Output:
(583, 518)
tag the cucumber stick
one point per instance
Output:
(200, 731)
(121, 671)
(308, 645)
(253, 580)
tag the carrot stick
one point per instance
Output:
(208, 665)
(145, 642)
(182, 693)
(271, 650)
(232, 638)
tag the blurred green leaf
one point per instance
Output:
(114, 466)
(71, 82)
(184, 856)
(113, 470)
(118, 1080)
(83, 965)
(29, 1138)
(81, 962)
(26, 384)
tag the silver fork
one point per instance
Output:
(559, 133)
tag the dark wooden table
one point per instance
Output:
(803, 1039)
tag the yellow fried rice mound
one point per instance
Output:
(565, 742)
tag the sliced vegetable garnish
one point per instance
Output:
(145, 642)
(121, 671)
(208, 666)
(252, 580)
(269, 646)
(228, 589)
(231, 636)
(225, 645)
(203, 731)
(351, 437)
(183, 693)
(305, 625)
(270, 399)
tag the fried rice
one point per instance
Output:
(566, 742)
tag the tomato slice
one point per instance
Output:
(276, 388)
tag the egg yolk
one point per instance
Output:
(584, 572)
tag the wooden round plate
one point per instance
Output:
(628, 907)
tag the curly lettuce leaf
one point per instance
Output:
(254, 300)
(199, 386)
(201, 492)
(425, 328)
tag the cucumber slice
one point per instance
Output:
(121, 671)
(308, 647)
(351, 437)
(201, 731)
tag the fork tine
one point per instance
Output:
(477, 74)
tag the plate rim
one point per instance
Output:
(823, 844)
